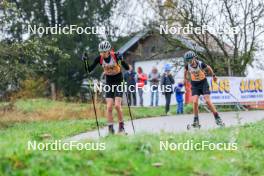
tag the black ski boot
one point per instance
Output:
(121, 129)
(111, 129)
(196, 124)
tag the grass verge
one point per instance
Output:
(45, 109)
(131, 155)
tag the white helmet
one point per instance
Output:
(104, 46)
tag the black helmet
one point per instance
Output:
(189, 55)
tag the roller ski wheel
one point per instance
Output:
(122, 132)
(219, 122)
(193, 126)
(111, 130)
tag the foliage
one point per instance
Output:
(32, 88)
(54, 57)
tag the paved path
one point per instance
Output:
(176, 123)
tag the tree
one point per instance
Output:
(66, 74)
(230, 50)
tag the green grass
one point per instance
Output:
(33, 105)
(130, 155)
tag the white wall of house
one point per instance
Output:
(148, 65)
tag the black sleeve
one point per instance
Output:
(94, 64)
(203, 65)
(123, 63)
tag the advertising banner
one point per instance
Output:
(233, 89)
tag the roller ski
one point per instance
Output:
(219, 122)
(195, 125)
(111, 130)
(121, 129)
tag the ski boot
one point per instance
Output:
(121, 129)
(195, 124)
(219, 121)
(111, 130)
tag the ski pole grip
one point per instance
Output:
(85, 57)
(85, 61)
(120, 56)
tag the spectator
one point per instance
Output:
(166, 82)
(130, 78)
(154, 79)
(179, 97)
(141, 82)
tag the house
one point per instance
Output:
(149, 48)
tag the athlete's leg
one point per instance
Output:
(210, 104)
(109, 114)
(121, 126)
(195, 105)
(206, 93)
(118, 101)
(109, 110)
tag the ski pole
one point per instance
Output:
(129, 110)
(128, 104)
(237, 101)
(86, 66)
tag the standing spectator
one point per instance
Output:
(141, 81)
(130, 78)
(154, 79)
(179, 97)
(166, 82)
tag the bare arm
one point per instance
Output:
(210, 70)
(185, 75)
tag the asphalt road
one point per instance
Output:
(176, 123)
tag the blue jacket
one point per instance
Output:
(130, 77)
(179, 93)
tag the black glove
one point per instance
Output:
(120, 57)
(84, 57)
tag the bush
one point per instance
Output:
(32, 88)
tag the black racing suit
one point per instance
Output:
(199, 87)
(111, 80)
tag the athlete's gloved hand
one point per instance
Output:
(120, 57)
(84, 57)
(214, 78)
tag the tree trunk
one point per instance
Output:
(53, 91)
(229, 66)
